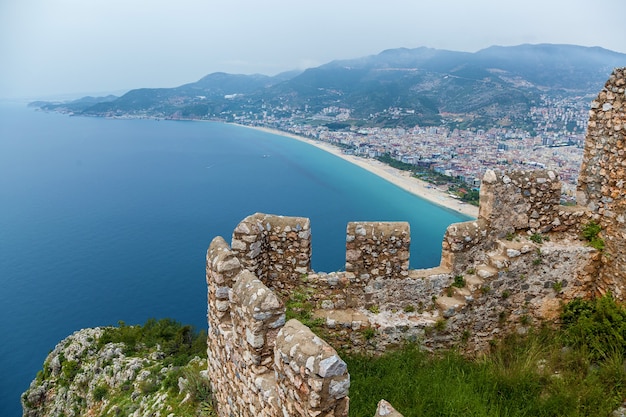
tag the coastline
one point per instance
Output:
(395, 176)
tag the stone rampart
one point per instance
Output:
(520, 200)
(511, 202)
(276, 248)
(506, 271)
(258, 365)
(484, 286)
(376, 250)
(602, 180)
(313, 380)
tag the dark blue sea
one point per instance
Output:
(107, 220)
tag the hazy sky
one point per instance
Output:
(50, 47)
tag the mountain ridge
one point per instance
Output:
(488, 85)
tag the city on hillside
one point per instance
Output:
(458, 155)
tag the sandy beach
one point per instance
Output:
(395, 176)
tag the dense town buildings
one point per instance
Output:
(555, 141)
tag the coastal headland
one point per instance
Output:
(402, 179)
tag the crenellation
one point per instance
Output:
(276, 248)
(510, 269)
(520, 200)
(376, 250)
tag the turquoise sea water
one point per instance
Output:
(106, 220)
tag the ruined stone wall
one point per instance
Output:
(230, 361)
(511, 202)
(506, 271)
(260, 366)
(377, 272)
(312, 379)
(520, 200)
(275, 248)
(602, 180)
(257, 364)
(376, 250)
(518, 284)
(464, 243)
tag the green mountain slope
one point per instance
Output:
(423, 85)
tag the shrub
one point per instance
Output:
(148, 386)
(100, 392)
(537, 238)
(590, 233)
(440, 324)
(459, 281)
(179, 342)
(198, 387)
(70, 370)
(502, 317)
(591, 230)
(598, 326)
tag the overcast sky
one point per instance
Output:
(51, 47)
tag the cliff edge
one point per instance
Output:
(93, 373)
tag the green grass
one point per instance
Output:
(591, 233)
(577, 370)
(299, 305)
(537, 238)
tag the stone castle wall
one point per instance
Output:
(523, 200)
(602, 180)
(508, 270)
(377, 250)
(276, 248)
(258, 364)
(261, 366)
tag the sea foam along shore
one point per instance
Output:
(402, 179)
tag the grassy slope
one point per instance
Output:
(577, 370)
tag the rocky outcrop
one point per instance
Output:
(82, 377)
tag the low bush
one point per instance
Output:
(591, 233)
(179, 342)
